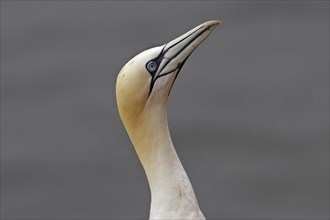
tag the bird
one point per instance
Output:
(142, 91)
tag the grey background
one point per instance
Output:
(248, 113)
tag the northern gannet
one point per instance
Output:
(142, 91)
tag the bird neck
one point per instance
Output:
(172, 195)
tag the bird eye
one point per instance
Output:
(151, 66)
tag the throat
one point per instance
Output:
(172, 196)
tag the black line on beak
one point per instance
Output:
(160, 57)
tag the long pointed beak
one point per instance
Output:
(177, 51)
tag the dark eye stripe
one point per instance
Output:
(157, 61)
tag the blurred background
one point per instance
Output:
(248, 114)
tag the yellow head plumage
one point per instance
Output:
(144, 83)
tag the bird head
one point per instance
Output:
(144, 83)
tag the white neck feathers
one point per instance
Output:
(172, 196)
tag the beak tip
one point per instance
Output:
(214, 23)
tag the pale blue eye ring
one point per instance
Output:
(151, 66)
